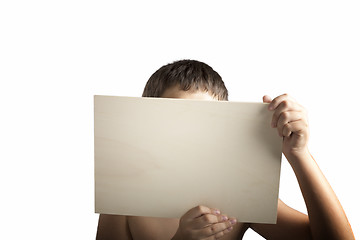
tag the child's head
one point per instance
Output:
(187, 76)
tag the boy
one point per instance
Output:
(326, 219)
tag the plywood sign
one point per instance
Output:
(160, 157)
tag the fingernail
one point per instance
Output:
(233, 221)
(224, 218)
(217, 212)
(229, 229)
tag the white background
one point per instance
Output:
(55, 55)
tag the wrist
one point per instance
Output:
(299, 156)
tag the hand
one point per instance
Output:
(290, 119)
(203, 223)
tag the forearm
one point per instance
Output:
(326, 215)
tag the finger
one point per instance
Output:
(208, 219)
(276, 101)
(219, 234)
(223, 233)
(266, 99)
(199, 211)
(293, 127)
(284, 106)
(287, 117)
(216, 229)
(213, 229)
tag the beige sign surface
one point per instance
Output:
(160, 157)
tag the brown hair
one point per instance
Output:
(189, 75)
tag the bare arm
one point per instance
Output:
(327, 219)
(326, 215)
(113, 227)
(290, 224)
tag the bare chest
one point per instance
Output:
(147, 228)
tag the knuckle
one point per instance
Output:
(285, 115)
(223, 226)
(219, 235)
(228, 224)
(208, 231)
(199, 208)
(276, 102)
(286, 103)
(207, 218)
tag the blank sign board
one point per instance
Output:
(161, 157)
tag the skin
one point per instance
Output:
(326, 218)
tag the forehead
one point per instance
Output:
(175, 92)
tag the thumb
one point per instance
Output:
(267, 99)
